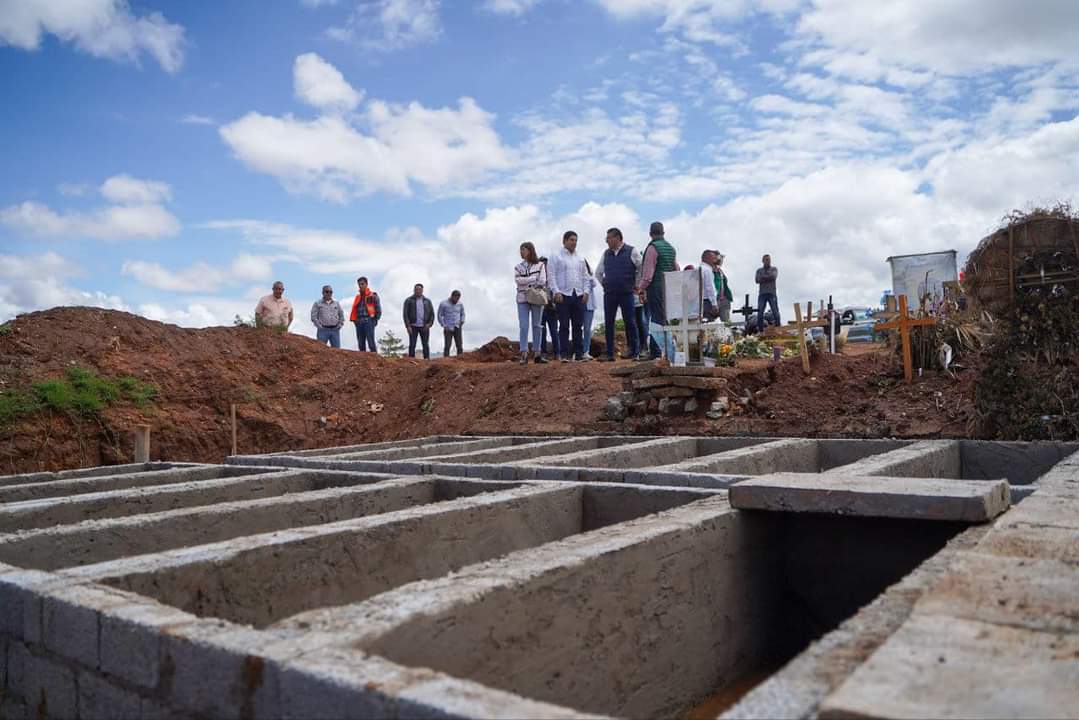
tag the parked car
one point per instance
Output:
(862, 331)
(852, 315)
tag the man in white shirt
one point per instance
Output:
(571, 282)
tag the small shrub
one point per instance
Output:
(83, 392)
(6, 329)
(15, 403)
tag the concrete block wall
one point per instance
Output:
(546, 577)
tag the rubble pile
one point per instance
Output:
(655, 389)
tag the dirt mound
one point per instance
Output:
(290, 391)
(498, 350)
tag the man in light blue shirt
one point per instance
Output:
(451, 316)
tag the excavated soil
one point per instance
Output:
(292, 392)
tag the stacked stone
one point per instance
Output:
(652, 389)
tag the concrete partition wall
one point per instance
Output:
(102, 483)
(250, 483)
(261, 578)
(37, 477)
(424, 450)
(534, 451)
(644, 619)
(96, 541)
(341, 449)
(927, 458)
(1020, 463)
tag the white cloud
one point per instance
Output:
(36, 282)
(102, 28)
(509, 7)
(316, 3)
(199, 277)
(197, 120)
(137, 213)
(956, 37)
(387, 147)
(699, 21)
(321, 85)
(126, 190)
(386, 25)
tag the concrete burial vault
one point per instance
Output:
(551, 577)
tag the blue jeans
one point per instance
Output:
(646, 342)
(612, 303)
(570, 316)
(365, 335)
(329, 335)
(771, 300)
(587, 331)
(550, 325)
(530, 316)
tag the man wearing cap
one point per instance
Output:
(659, 257)
(327, 317)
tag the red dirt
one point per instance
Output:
(292, 392)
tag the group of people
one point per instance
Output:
(557, 294)
(418, 314)
(555, 301)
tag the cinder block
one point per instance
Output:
(69, 618)
(49, 688)
(337, 683)
(101, 700)
(16, 654)
(20, 598)
(13, 709)
(130, 640)
(484, 472)
(565, 474)
(207, 668)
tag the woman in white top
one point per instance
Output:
(589, 314)
(530, 274)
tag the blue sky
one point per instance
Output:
(174, 158)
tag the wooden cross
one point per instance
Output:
(904, 322)
(802, 330)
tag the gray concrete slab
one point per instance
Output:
(945, 667)
(792, 455)
(927, 459)
(100, 483)
(913, 498)
(37, 477)
(96, 541)
(258, 482)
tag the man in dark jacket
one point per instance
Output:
(617, 274)
(419, 315)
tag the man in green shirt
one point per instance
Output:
(724, 296)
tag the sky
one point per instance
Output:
(173, 159)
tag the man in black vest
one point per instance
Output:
(617, 274)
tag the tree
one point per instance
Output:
(390, 345)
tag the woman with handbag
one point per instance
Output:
(531, 278)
